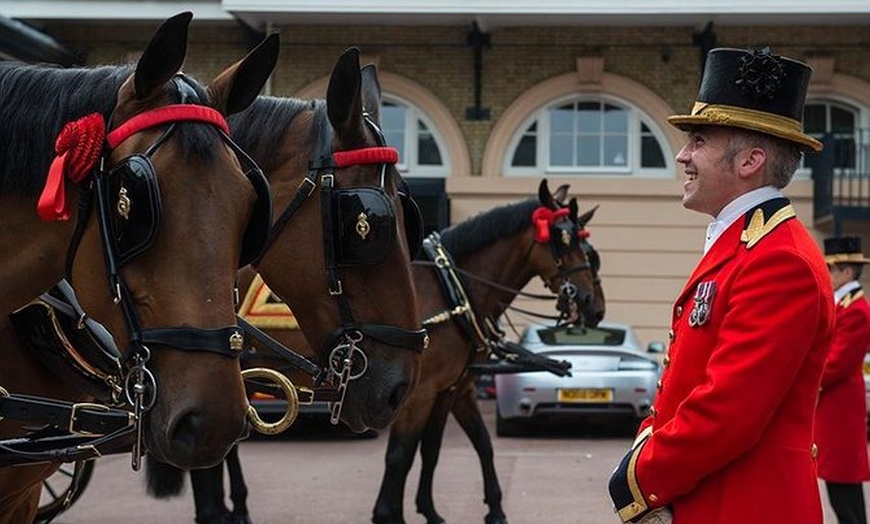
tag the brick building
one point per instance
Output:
(483, 101)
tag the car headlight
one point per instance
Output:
(636, 364)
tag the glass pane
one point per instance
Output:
(588, 151)
(561, 152)
(615, 150)
(651, 154)
(427, 150)
(393, 118)
(844, 152)
(397, 140)
(814, 118)
(615, 119)
(589, 117)
(562, 119)
(526, 152)
(842, 120)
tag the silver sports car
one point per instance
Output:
(611, 374)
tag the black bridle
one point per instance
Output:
(140, 384)
(347, 361)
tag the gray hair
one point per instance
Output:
(783, 157)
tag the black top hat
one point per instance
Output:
(754, 90)
(844, 250)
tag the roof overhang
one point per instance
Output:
(489, 14)
(486, 13)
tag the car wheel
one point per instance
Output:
(505, 427)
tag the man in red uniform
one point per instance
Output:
(730, 436)
(841, 417)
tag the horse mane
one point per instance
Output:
(483, 229)
(36, 101)
(261, 128)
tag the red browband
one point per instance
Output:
(544, 217)
(80, 143)
(368, 155)
(165, 115)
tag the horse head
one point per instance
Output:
(176, 208)
(345, 232)
(565, 259)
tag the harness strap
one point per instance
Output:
(296, 360)
(459, 303)
(77, 418)
(226, 341)
(305, 189)
(64, 448)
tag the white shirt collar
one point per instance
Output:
(736, 209)
(844, 289)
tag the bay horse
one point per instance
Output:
(163, 208)
(346, 293)
(499, 252)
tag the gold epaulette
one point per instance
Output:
(758, 228)
(847, 300)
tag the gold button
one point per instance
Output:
(814, 450)
(653, 498)
(652, 411)
(671, 335)
(659, 384)
(679, 311)
(667, 360)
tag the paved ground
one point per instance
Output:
(553, 479)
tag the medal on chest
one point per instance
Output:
(703, 303)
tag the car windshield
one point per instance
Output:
(576, 336)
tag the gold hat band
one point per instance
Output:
(723, 114)
(761, 121)
(846, 258)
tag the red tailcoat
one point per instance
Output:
(841, 418)
(731, 437)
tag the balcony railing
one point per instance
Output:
(841, 174)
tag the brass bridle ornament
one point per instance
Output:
(292, 397)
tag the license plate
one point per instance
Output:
(585, 395)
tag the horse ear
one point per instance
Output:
(238, 85)
(544, 195)
(561, 193)
(371, 91)
(573, 208)
(343, 101)
(587, 216)
(163, 56)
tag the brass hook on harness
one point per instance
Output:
(273, 428)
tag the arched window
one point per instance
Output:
(405, 127)
(588, 135)
(842, 122)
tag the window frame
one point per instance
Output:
(861, 122)
(542, 167)
(411, 136)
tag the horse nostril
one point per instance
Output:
(187, 431)
(398, 395)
